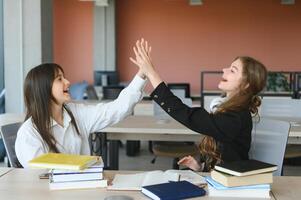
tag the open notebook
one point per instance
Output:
(137, 181)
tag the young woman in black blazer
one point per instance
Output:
(228, 126)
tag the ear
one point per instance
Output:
(247, 86)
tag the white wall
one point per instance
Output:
(22, 47)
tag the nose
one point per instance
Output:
(67, 82)
(225, 70)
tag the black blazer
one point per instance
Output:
(232, 130)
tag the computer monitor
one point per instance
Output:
(104, 78)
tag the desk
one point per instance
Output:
(295, 130)
(143, 128)
(4, 170)
(24, 184)
(146, 107)
(147, 128)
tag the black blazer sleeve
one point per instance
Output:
(223, 127)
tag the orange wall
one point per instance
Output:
(187, 39)
(73, 38)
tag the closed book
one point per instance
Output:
(76, 176)
(245, 167)
(246, 193)
(232, 181)
(173, 191)
(97, 167)
(78, 185)
(216, 189)
(64, 161)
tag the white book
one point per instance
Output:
(137, 181)
(78, 185)
(65, 177)
(243, 193)
(98, 167)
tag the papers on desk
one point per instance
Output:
(295, 123)
(137, 181)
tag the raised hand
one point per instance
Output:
(190, 162)
(143, 61)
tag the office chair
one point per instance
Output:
(9, 134)
(283, 108)
(77, 90)
(269, 138)
(91, 93)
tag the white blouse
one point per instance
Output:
(89, 118)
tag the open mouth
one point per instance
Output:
(224, 80)
(66, 91)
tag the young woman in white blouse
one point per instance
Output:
(54, 124)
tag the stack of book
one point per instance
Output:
(72, 171)
(248, 178)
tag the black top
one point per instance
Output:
(232, 130)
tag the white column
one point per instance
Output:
(104, 37)
(22, 47)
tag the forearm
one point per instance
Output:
(141, 74)
(154, 78)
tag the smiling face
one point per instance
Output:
(232, 78)
(60, 88)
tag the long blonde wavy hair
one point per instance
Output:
(254, 75)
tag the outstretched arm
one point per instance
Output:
(143, 61)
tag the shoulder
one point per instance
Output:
(234, 117)
(28, 130)
(76, 108)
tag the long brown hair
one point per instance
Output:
(38, 99)
(254, 75)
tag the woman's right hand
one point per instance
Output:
(190, 162)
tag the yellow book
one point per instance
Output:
(64, 161)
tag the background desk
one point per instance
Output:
(24, 184)
(143, 128)
(295, 130)
(4, 170)
(148, 128)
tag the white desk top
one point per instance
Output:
(295, 130)
(148, 124)
(148, 128)
(24, 184)
(4, 170)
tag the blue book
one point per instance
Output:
(216, 189)
(219, 186)
(173, 191)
